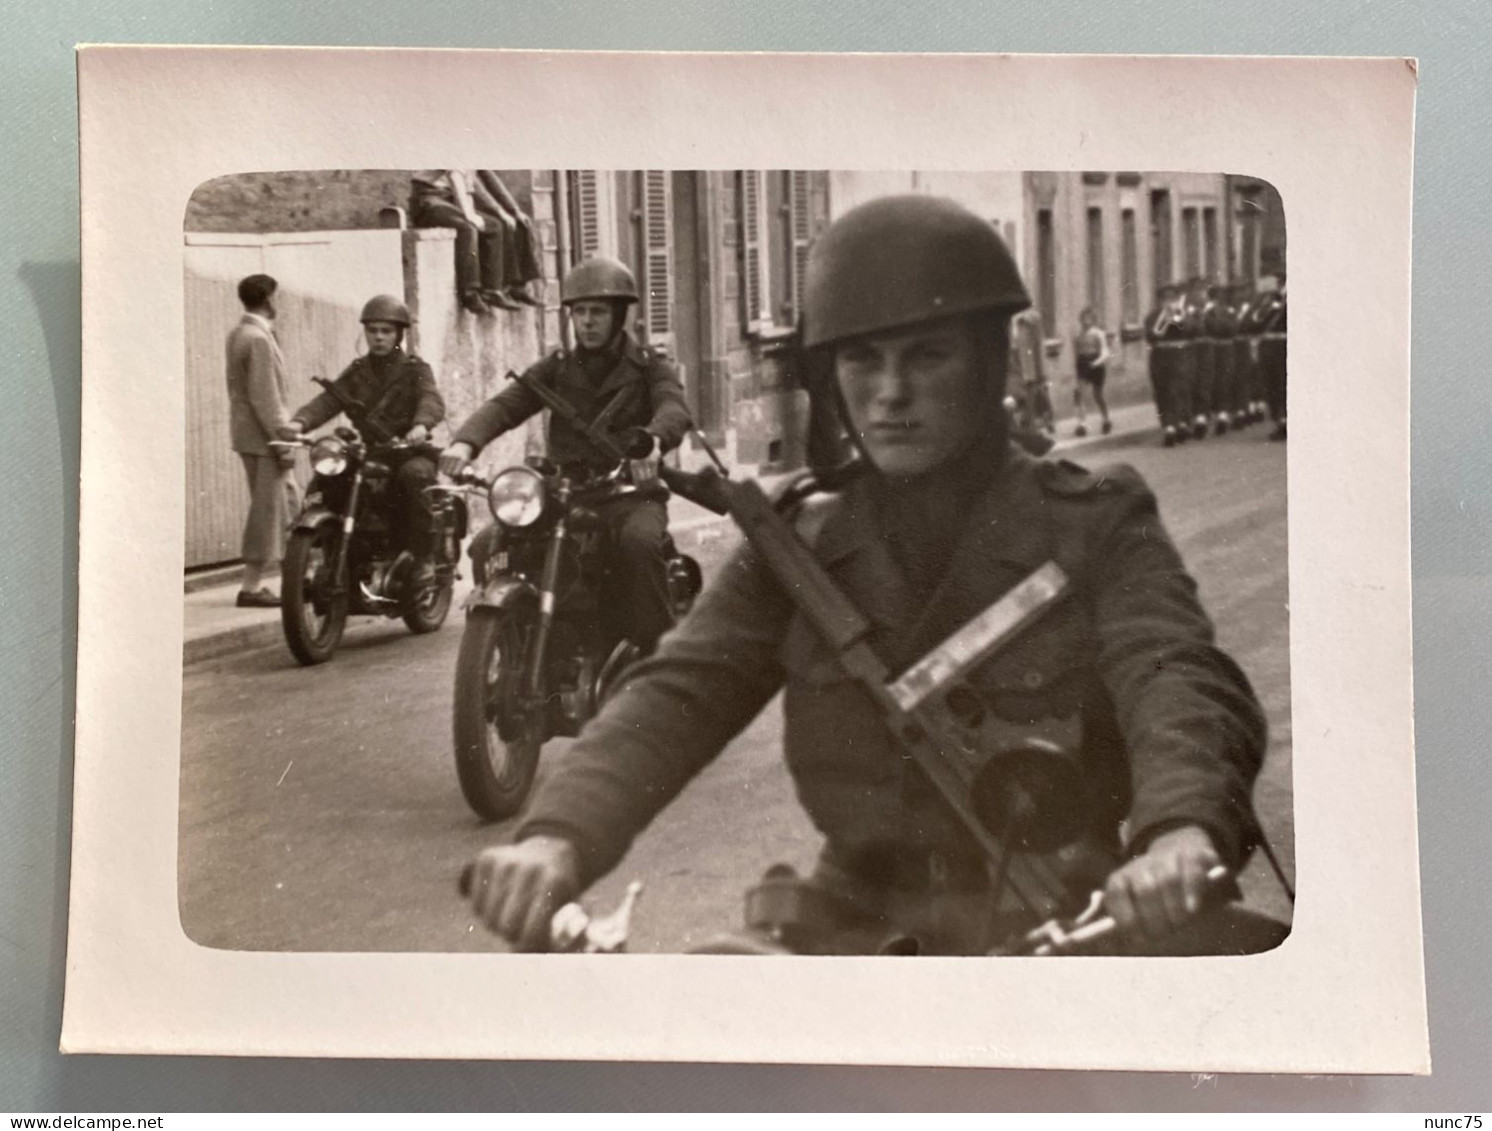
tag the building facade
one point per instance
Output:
(719, 257)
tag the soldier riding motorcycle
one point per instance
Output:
(577, 577)
(1000, 692)
(369, 540)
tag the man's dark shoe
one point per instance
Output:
(498, 299)
(1108, 426)
(1279, 431)
(473, 302)
(1080, 431)
(261, 599)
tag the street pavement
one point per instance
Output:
(320, 809)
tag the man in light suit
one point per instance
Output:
(256, 399)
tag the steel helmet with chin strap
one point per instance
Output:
(385, 308)
(599, 279)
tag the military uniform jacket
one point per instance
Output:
(1268, 316)
(1171, 731)
(396, 393)
(654, 400)
(1219, 321)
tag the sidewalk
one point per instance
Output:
(214, 627)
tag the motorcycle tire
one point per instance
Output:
(495, 773)
(430, 611)
(313, 623)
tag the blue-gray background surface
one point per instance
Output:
(39, 295)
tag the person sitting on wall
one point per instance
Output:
(447, 198)
(496, 205)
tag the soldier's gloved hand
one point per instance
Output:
(1159, 890)
(418, 434)
(455, 458)
(643, 455)
(517, 888)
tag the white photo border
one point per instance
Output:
(1345, 993)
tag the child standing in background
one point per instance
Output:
(1091, 347)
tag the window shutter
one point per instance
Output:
(800, 229)
(657, 257)
(753, 297)
(585, 205)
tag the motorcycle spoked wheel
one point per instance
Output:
(495, 772)
(312, 621)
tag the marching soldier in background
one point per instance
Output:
(1167, 331)
(1199, 360)
(1241, 361)
(1269, 316)
(1248, 334)
(1217, 331)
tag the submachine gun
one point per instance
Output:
(931, 710)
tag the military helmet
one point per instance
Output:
(599, 278)
(900, 260)
(385, 308)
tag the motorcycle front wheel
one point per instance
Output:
(313, 620)
(495, 771)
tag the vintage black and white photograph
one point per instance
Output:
(613, 573)
(844, 562)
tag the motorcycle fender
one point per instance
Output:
(314, 517)
(504, 592)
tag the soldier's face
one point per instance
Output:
(914, 397)
(593, 323)
(382, 337)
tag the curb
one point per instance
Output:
(243, 638)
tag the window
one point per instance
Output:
(1160, 237)
(1046, 272)
(1129, 266)
(1209, 243)
(1191, 236)
(585, 214)
(1097, 298)
(776, 222)
(655, 257)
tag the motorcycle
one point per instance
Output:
(339, 560)
(540, 650)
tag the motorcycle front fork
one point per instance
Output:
(548, 583)
(349, 523)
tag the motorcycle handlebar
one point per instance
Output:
(571, 928)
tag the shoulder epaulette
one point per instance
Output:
(1070, 480)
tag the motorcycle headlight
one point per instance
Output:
(517, 497)
(329, 456)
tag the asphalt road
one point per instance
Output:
(320, 810)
